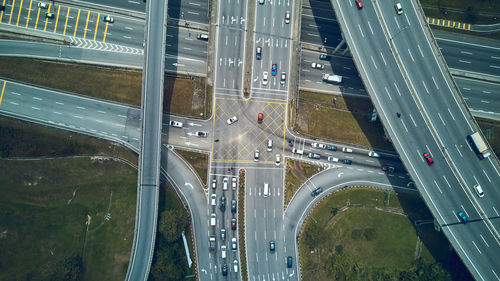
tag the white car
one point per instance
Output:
(373, 154)
(283, 78)
(278, 160)
(233, 244)
(213, 200)
(232, 120)
(214, 183)
(43, 5)
(287, 17)
(176, 124)
(235, 266)
(201, 134)
(233, 183)
(223, 251)
(256, 155)
(332, 159)
(298, 151)
(265, 75)
(224, 183)
(317, 65)
(318, 145)
(202, 36)
(399, 8)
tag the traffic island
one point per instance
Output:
(241, 225)
(370, 234)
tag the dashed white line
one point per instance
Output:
(14, 103)
(467, 53)
(383, 58)
(494, 66)
(37, 98)
(79, 107)
(370, 26)
(484, 240)
(439, 114)
(359, 26)
(476, 247)
(14, 93)
(77, 116)
(123, 116)
(437, 185)
(421, 53)
(435, 84)
(373, 61)
(411, 56)
(59, 103)
(425, 86)
(100, 111)
(35, 108)
(452, 117)
(464, 61)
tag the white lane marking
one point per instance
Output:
(59, 103)
(437, 185)
(495, 66)
(458, 150)
(421, 53)
(127, 37)
(467, 89)
(14, 93)
(388, 94)
(485, 101)
(370, 26)
(397, 89)
(411, 56)
(404, 126)
(452, 117)
(123, 116)
(476, 247)
(79, 107)
(425, 86)
(383, 58)
(100, 111)
(77, 116)
(464, 61)
(128, 28)
(35, 108)
(36, 98)
(446, 180)
(486, 92)
(464, 52)
(484, 240)
(98, 121)
(435, 84)
(359, 26)
(373, 61)
(439, 114)
(486, 175)
(495, 211)
(14, 103)
(414, 124)
(493, 57)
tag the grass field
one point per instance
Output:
(345, 120)
(24, 139)
(182, 95)
(297, 172)
(44, 206)
(198, 161)
(346, 244)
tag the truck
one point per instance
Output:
(478, 145)
(211, 243)
(332, 78)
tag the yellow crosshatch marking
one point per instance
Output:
(19, 13)
(12, 10)
(29, 13)
(57, 18)
(247, 135)
(66, 22)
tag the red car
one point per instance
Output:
(428, 158)
(233, 224)
(359, 4)
(260, 117)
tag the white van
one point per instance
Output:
(298, 151)
(346, 149)
(333, 159)
(214, 200)
(479, 190)
(223, 251)
(266, 189)
(212, 220)
(270, 145)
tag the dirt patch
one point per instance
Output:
(297, 172)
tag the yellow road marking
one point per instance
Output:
(428, 20)
(57, 18)
(1, 13)
(433, 20)
(76, 25)
(449, 23)
(96, 24)
(19, 14)
(86, 25)
(469, 26)
(438, 22)
(46, 18)
(12, 10)
(37, 17)
(29, 13)
(458, 25)
(66, 22)
(453, 24)
(3, 90)
(105, 32)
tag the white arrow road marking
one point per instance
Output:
(340, 174)
(190, 143)
(193, 124)
(188, 184)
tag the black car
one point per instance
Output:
(2, 8)
(224, 270)
(223, 204)
(347, 161)
(233, 206)
(331, 147)
(316, 191)
(389, 169)
(272, 246)
(289, 261)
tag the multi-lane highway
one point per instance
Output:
(422, 113)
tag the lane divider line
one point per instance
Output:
(19, 13)
(3, 90)
(29, 13)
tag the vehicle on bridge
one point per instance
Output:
(332, 78)
(399, 8)
(463, 217)
(428, 159)
(478, 145)
(359, 4)
(202, 36)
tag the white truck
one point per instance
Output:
(478, 145)
(332, 78)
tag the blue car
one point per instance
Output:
(463, 217)
(274, 69)
(331, 147)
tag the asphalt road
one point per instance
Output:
(426, 106)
